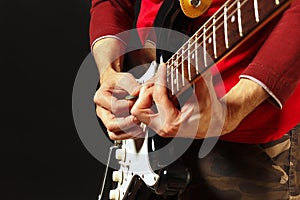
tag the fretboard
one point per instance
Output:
(229, 27)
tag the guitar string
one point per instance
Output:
(208, 28)
(209, 21)
(170, 72)
(177, 54)
(180, 53)
(217, 27)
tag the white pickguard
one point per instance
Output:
(134, 161)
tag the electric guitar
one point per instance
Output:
(145, 165)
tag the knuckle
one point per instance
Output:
(162, 133)
(110, 127)
(169, 130)
(157, 96)
(98, 111)
(98, 97)
(134, 111)
(127, 76)
(112, 136)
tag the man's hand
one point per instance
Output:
(165, 119)
(203, 114)
(111, 106)
(113, 109)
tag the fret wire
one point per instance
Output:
(170, 67)
(214, 39)
(172, 82)
(177, 83)
(256, 11)
(182, 69)
(168, 70)
(239, 18)
(189, 62)
(226, 28)
(177, 60)
(173, 61)
(196, 55)
(204, 47)
(175, 71)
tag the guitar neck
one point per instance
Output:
(227, 29)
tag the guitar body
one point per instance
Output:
(154, 167)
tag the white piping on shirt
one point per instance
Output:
(153, 43)
(107, 36)
(263, 86)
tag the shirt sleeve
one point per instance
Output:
(110, 17)
(277, 63)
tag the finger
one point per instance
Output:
(135, 132)
(134, 96)
(119, 93)
(145, 98)
(142, 107)
(120, 107)
(166, 122)
(160, 92)
(116, 124)
(129, 83)
(167, 114)
(117, 106)
(161, 74)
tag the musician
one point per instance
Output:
(258, 154)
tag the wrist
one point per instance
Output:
(240, 101)
(108, 54)
(108, 73)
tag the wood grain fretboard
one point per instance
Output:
(227, 29)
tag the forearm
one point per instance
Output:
(240, 101)
(111, 107)
(108, 54)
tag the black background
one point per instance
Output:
(43, 44)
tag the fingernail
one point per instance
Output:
(135, 120)
(131, 97)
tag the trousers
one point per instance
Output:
(235, 171)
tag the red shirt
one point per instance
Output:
(271, 58)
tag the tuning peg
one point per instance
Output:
(120, 154)
(114, 194)
(117, 176)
